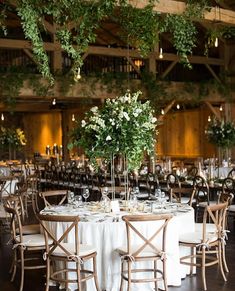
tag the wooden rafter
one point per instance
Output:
(167, 109)
(213, 73)
(168, 69)
(175, 7)
(212, 109)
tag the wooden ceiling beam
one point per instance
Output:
(117, 52)
(175, 7)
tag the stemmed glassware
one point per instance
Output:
(85, 194)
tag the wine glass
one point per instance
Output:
(157, 194)
(85, 194)
(70, 197)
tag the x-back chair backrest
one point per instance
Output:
(62, 195)
(71, 229)
(150, 243)
(228, 185)
(216, 214)
(13, 208)
(201, 189)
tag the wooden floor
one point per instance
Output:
(35, 280)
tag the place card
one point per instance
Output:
(115, 208)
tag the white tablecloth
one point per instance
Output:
(107, 236)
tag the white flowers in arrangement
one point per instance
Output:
(123, 126)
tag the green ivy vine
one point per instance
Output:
(76, 23)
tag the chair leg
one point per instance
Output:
(22, 268)
(48, 274)
(155, 275)
(78, 276)
(191, 260)
(14, 265)
(224, 258)
(204, 268)
(164, 275)
(122, 269)
(95, 274)
(221, 262)
(129, 275)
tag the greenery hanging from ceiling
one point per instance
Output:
(75, 24)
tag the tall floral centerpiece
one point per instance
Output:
(221, 134)
(12, 139)
(124, 126)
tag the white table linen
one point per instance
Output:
(106, 235)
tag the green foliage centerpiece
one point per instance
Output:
(12, 139)
(124, 126)
(222, 134)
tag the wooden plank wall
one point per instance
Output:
(182, 135)
(42, 129)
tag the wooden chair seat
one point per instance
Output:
(84, 250)
(196, 237)
(32, 240)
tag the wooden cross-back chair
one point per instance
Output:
(140, 247)
(208, 245)
(175, 190)
(200, 198)
(26, 244)
(57, 197)
(66, 248)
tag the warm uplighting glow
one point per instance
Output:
(216, 42)
(178, 106)
(162, 112)
(221, 108)
(73, 117)
(209, 118)
(2, 117)
(54, 101)
(161, 53)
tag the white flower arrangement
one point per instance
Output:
(123, 126)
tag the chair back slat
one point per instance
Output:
(134, 226)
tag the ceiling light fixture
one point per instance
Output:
(178, 106)
(216, 42)
(73, 117)
(2, 117)
(221, 108)
(162, 112)
(54, 101)
(209, 118)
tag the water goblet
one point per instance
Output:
(85, 194)
(78, 200)
(70, 197)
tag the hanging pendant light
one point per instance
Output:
(209, 118)
(73, 117)
(162, 112)
(161, 53)
(54, 101)
(2, 117)
(216, 42)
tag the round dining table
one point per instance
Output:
(107, 232)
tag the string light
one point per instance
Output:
(2, 117)
(73, 117)
(77, 76)
(162, 112)
(216, 42)
(178, 106)
(161, 53)
(54, 101)
(209, 118)
(221, 108)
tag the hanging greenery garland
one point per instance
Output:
(75, 24)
